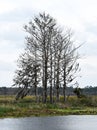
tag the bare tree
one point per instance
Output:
(41, 30)
(69, 61)
(50, 58)
(27, 75)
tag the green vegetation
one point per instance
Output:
(9, 107)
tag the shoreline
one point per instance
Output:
(47, 112)
(27, 107)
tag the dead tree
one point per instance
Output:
(49, 58)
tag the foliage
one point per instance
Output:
(77, 91)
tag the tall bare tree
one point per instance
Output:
(41, 30)
(51, 57)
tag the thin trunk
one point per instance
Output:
(57, 84)
(51, 99)
(64, 86)
(35, 82)
(35, 74)
(45, 83)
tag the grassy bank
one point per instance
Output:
(27, 107)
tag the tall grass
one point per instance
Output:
(27, 106)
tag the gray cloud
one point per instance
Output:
(80, 15)
(17, 15)
(6, 66)
(91, 27)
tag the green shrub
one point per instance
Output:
(4, 110)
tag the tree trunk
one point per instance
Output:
(45, 83)
(57, 84)
(64, 91)
(51, 99)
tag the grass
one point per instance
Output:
(27, 107)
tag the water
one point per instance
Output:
(50, 123)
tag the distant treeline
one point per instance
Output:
(88, 90)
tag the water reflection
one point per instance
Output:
(50, 123)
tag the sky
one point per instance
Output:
(79, 15)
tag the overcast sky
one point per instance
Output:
(79, 15)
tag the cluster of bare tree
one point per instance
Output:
(49, 60)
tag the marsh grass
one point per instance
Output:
(9, 107)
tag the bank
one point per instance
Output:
(27, 107)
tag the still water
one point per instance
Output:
(50, 123)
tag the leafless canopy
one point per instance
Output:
(49, 60)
